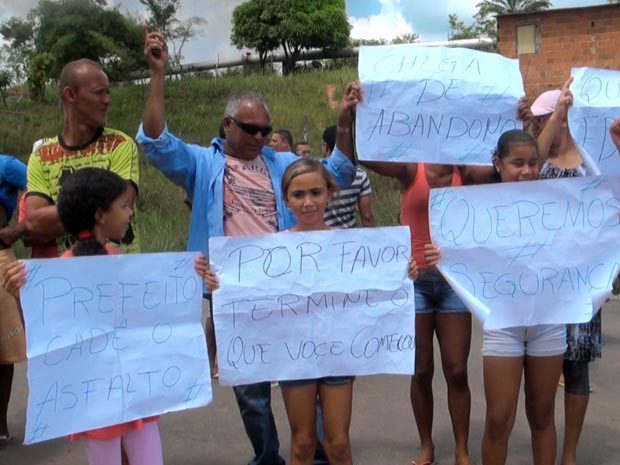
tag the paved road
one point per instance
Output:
(382, 430)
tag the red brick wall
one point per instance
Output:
(568, 38)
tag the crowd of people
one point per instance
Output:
(80, 194)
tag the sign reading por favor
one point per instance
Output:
(308, 305)
(112, 339)
(435, 104)
(530, 253)
(596, 105)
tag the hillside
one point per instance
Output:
(194, 110)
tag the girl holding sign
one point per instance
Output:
(308, 188)
(534, 352)
(95, 206)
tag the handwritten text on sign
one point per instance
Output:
(529, 253)
(308, 305)
(435, 104)
(112, 339)
(596, 105)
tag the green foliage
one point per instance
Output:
(501, 7)
(39, 70)
(58, 32)
(163, 18)
(406, 39)
(194, 109)
(295, 25)
(484, 20)
(459, 30)
(255, 26)
(5, 82)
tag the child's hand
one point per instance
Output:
(432, 255)
(201, 265)
(414, 270)
(614, 130)
(14, 277)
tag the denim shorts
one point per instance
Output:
(328, 381)
(434, 294)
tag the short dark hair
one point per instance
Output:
(514, 136)
(286, 135)
(329, 137)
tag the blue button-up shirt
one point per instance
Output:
(200, 171)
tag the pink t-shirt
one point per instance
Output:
(249, 199)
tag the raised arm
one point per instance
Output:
(345, 141)
(556, 121)
(156, 53)
(344, 130)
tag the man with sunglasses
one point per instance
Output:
(234, 185)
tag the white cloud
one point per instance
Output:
(388, 24)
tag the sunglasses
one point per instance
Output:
(252, 129)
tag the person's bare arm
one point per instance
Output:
(400, 171)
(344, 135)
(557, 119)
(42, 221)
(154, 116)
(364, 204)
(473, 175)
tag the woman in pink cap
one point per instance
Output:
(549, 119)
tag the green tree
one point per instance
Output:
(5, 82)
(295, 25)
(488, 9)
(177, 32)
(459, 30)
(255, 26)
(502, 7)
(55, 33)
(406, 39)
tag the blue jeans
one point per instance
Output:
(254, 402)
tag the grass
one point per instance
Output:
(194, 110)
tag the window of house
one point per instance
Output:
(526, 39)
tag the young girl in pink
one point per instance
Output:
(95, 206)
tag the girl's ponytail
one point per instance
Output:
(87, 244)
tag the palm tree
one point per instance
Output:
(501, 7)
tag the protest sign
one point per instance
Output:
(530, 253)
(111, 339)
(307, 305)
(435, 104)
(596, 105)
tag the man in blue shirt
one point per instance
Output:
(235, 189)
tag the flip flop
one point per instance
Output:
(428, 462)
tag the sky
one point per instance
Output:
(371, 19)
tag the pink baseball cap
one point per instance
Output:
(546, 102)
